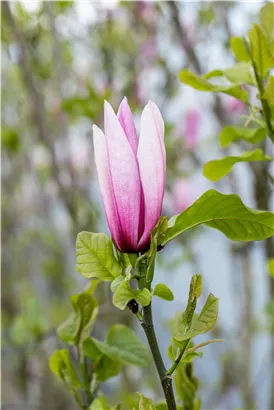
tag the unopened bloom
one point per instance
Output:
(131, 174)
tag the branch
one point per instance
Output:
(166, 380)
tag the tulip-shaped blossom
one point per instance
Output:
(131, 174)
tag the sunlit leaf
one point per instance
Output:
(195, 291)
(103, 366)
(122, 345)
(233, 133)
(124, 294)
(200, 83)
(100, 403)
(186, 385)
(262, 57)
(155, 240)
(267, 22)
(201, 323)
(227, 213)
(217, 169)
(162, 291)
(269, 90)
(240, 73)
(238, 47)
(78, 326)
(95, 257)
(60, 365)
(145, 403)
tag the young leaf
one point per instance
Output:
(104, 366)
(202, 323)
(61, 366)
(269, 90)
(227, 213)
(156, 237)
(195, 291)
(267, 22)
(162, 291)
(117, 282)
(78, 326)
(145, 403)
(124, 294)
(95, 257)
(124, 346)
(261, 55)
(232, 133)
(238, 47)
(240, 73)
(200, 83)
(99, 404)
(186, 384)
(217, 169)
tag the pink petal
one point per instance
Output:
(126, 120)
(101, 161)
(125, 178)
(152, 164)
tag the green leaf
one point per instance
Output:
(123, 345)
(195, 291)
(124, 294)
(104, 366)
(267, 22)
(117, 282)
(232, 133)
(155, 239)
(78, 326)
(162, 291)
(61, 366)
(261, 55)
(269, 90)
(95, 257)
(145, 403)
(186, 384)
(217, 169)
(99, 404)
(240, 73)
(270, 267)
(200, 83)
(238, 47)
(227, 213)
(202, 323)
(188, 357)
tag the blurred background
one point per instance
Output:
(60, 60)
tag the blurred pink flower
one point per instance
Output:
(149, 50)
(183, 195)
(234, 106)
(146, 11)
(192, 123)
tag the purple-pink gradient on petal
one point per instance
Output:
(131, 175)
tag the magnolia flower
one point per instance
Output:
(131, 174)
